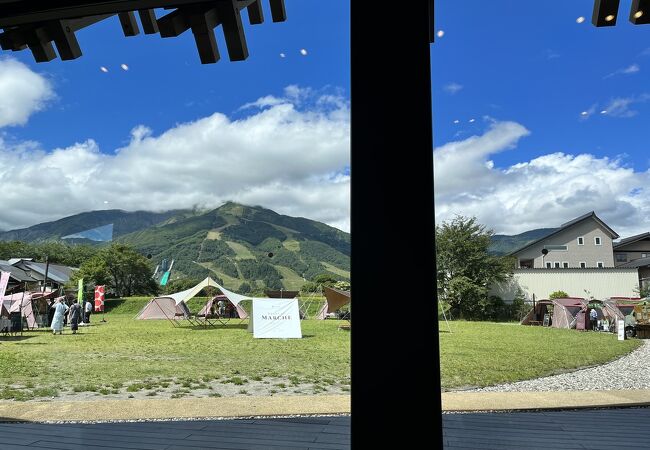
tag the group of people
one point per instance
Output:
(223, 308)
(61, 313)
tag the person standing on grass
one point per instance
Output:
(59, 313)
(75, 316)
(88, 309)
(593, 316)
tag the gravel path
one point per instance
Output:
(629, 372)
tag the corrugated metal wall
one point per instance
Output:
(600, 283)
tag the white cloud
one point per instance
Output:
(22, 92)
(544, 192)
(621, 106)
(634, 68)
(289, 156)
(452, 88)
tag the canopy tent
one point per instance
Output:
(564, 313)
(33, 306)
(270, 322)
(335, 300)
(175, 305)
(608, 310)
(573, 312)
(625, 304)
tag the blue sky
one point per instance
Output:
(536, 83)
(167, 84)
(170, 132)
(525, 82)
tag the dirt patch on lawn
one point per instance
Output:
(166, 388)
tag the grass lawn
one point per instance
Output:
(122, 351)
(485, 353)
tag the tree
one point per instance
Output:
(122, 269)
(558, 294)
(465, 269)
(643, 291)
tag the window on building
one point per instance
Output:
(597, 240)
(581, 240)
(621, 257)
(556, 264)
(644, 255)
(565, 264)
(583, 265)
(562, 248)
(548, 265)
(526, 264)
(600, 264)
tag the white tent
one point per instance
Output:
(180, 299)
(175, 305)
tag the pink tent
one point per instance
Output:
(206, 308)
(163, 308)
(23, 302)
(335, 300)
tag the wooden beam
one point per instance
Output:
(640, 8)
(40, 45)
(203, 24)
(233, 30)
(26, 12)
(173, 24)
(148, 20)
(83, 22)
(432, 24)
(255, 13)
(65, 40)
(13, 39)
(605, 13)
(129, 25)
(278, 13)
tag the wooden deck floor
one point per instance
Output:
(298, 433)
(579, 429)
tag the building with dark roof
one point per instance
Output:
(584, 242)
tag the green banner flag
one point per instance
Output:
(80, 292)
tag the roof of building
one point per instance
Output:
(641, 262)
(567, 225)
(632, 239)
(52, 273)
(17, 274)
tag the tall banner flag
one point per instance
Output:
(80, 292)
(99, 298)
(4, 281)
(164, 279)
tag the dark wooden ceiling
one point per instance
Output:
(42, 26)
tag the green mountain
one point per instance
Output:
(247, 247)
(503, 244)
(123, 222)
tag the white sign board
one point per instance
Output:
(621, 330)
(276, 318)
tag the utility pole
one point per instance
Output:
(47, 267)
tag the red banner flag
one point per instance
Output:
(99, 298)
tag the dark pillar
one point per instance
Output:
(395, 356)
